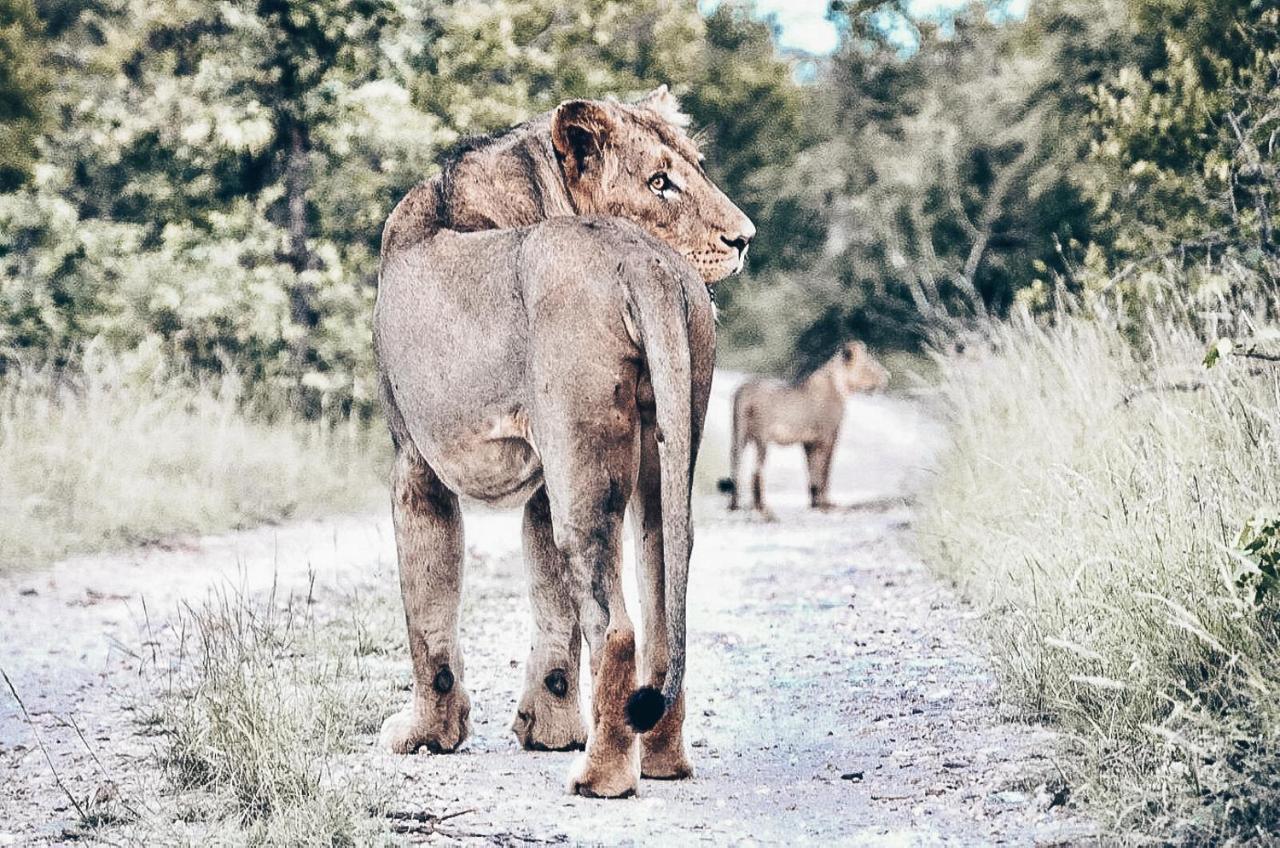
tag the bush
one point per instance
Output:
(1100, 503)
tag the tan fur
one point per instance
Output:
(808, 413)
(610, 768)
(584, 158)
(662, 752)
(538, 324)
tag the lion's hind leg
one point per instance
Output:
(757, 481)
(428, 528)
(588, 465)
(662, 751)
(549, 717)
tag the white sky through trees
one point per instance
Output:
(805, 26)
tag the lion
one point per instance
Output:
(808, 412)
(544, 337)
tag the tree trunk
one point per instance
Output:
(297, 180)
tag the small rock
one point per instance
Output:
(1010, 797)
(855, 776)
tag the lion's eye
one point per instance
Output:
(661, 183)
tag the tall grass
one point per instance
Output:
(1093, 503)
(107, 458)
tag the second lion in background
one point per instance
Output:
(771, 411)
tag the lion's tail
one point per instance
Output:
(654, 300)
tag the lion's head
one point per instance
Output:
(856, 370)
(635, 161)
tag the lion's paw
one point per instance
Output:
(598, 777)
(440, 730)
(549, 719)
(668, 762)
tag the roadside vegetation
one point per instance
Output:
(112, 457)
(1111, 506)
(257, 722)
(1110, 498)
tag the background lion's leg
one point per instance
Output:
(818, 457)
(428, 527)
(662, 751)
(737, 438)
(757, 480)
(549, 717)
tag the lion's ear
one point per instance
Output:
(579, 131)
(664, 103)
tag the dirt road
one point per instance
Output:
(834, 694)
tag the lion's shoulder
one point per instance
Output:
(414, 218)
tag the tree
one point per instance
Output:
(23, 85)
(216, 176)
(1185, 137)
(951, 178)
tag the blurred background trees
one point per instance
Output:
(22, 88)
(202, 185)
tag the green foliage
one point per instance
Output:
(945, 172)
(23, 86)
(494, 64)
(755, 119)
(1259, 545)
(215, 185)
(1217, 350)
(1182, 164)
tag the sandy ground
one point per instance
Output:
(834, 697)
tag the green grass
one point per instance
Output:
(106, 459)
(1092, 504)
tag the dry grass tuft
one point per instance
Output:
(267, 710)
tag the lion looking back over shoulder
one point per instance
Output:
(622, 160)
(808, 413)
(544, 336)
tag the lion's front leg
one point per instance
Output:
(549, 717)
(662, 749)
(428, 526)
(818, 459)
